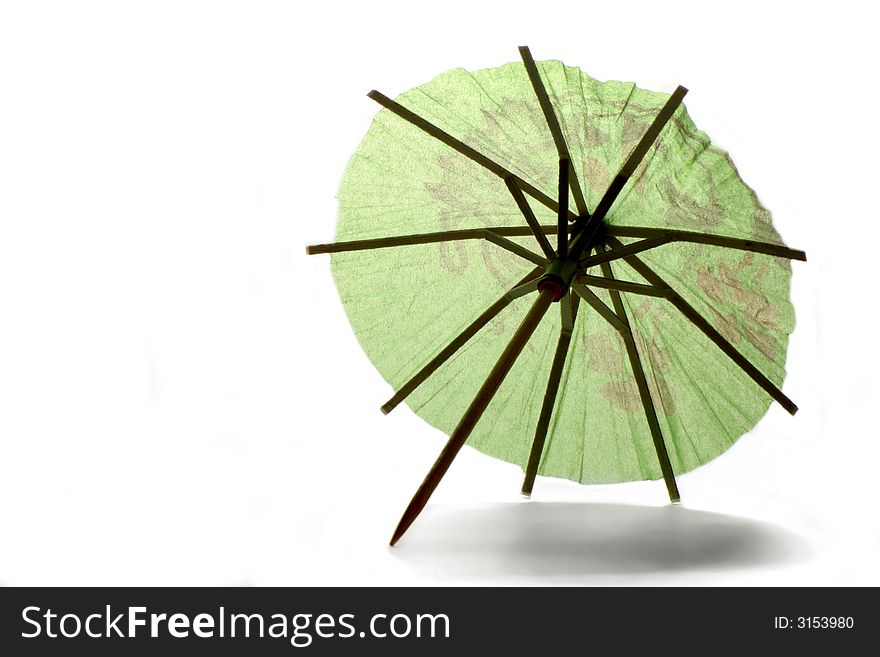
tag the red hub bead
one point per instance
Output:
(552, 286)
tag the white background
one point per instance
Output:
(182, 400)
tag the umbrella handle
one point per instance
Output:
(472, 415)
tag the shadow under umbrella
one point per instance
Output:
(565, 539)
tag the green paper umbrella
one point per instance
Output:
(477, 201)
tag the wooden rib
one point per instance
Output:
(424, 238)
(708, 330)
(462, 148)
(623, 286)
(491, 234)
(568, 307)
(474, 412)
(669, 235)
(623, 328)
(527, 283)
(598, 305)
(397, 240)
(515, 248)
(553, 124)
(585, 228)
(529, 216)
(629, 249)
(659, 237)
(644, 391)
(562, 220)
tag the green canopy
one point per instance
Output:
(533, 180)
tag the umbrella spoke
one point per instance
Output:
(663, 236)
(708, 330)
(476, 409)
(629, 249)
(568, 307)
(492, 235)
(562, 221)
(513, 247)
(622, 286)
(529, 216)
(585, 227)
(397, 240)
(635, 362)
(528, 283)
(424, 238)
(598, 305)
(555, 129)
(620, 323)
(463, 148)
(655, 237)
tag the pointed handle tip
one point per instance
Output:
(398, 533)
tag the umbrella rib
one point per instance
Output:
(666, 235)
(473, 413)
(585, 227)
(528, 283)
(562, 221)
(708, 330)
(513, 247)
(555, 129)
(599, 306)
(423, 238)
(644, 391)
(463, 148)
(568, 308)
(622, 286)
(529, 216)
(492, 235)
(629, 249)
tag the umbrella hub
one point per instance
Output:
(557, 277)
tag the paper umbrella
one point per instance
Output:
(477, 201)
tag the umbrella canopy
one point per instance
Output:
(477, 200)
